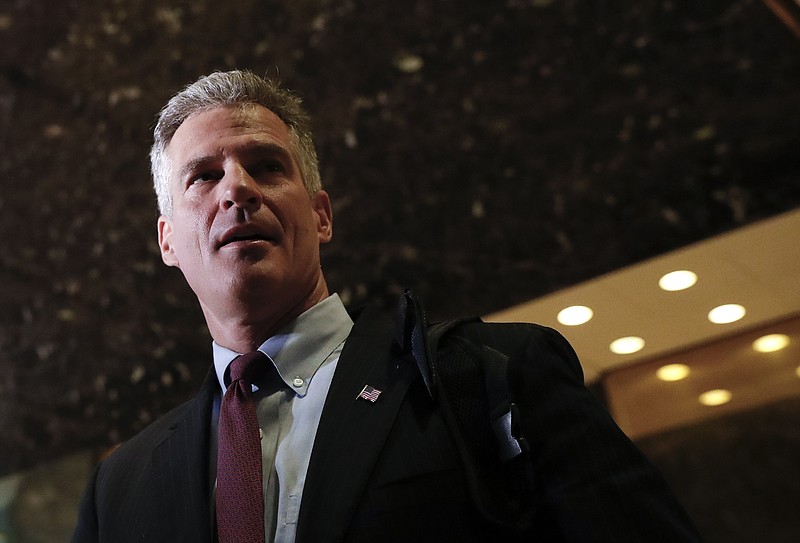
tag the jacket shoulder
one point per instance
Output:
(135, 450)
(504, 335)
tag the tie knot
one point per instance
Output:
(248, 366)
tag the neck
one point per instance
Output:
(243, 326)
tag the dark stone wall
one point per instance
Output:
(483, 153)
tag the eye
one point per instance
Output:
(267, 171)
(204, 177)
(268, 167)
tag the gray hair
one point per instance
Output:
(232, 89)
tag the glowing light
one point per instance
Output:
(627, 345)
(771, 343)
(677, 280)
(409, 63)
(575, 315)
(673, 372)
(726, 314)
(715, 397)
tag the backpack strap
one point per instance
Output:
(412, 337)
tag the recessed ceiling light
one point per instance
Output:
(771, 343)
(673, 372)
(627, 345)
(575, 315)
(726, 314)
(677, 280)
(715, 397)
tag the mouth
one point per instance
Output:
(244, 235)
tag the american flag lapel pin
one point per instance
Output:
(369, 393)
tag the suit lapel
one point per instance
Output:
(352, 430)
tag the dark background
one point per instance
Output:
(480, 152)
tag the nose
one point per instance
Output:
(240, 191)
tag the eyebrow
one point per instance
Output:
(251, 148)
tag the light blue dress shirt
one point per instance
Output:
(305, 353)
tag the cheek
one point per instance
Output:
(191, 234)
(306, 233)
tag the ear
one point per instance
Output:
(321, 204)
(165, 241)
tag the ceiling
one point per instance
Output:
(757, 266)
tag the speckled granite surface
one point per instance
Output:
(483, 153)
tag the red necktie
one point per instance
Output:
(239, 496)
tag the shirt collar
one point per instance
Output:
(300, 347)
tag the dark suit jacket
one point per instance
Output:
(388, 471)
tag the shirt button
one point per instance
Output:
(297, 382)
(260, 433)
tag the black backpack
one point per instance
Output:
(470, 384)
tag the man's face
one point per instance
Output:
(242, 226)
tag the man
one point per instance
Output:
(352, 446)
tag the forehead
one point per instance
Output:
(223, 130)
